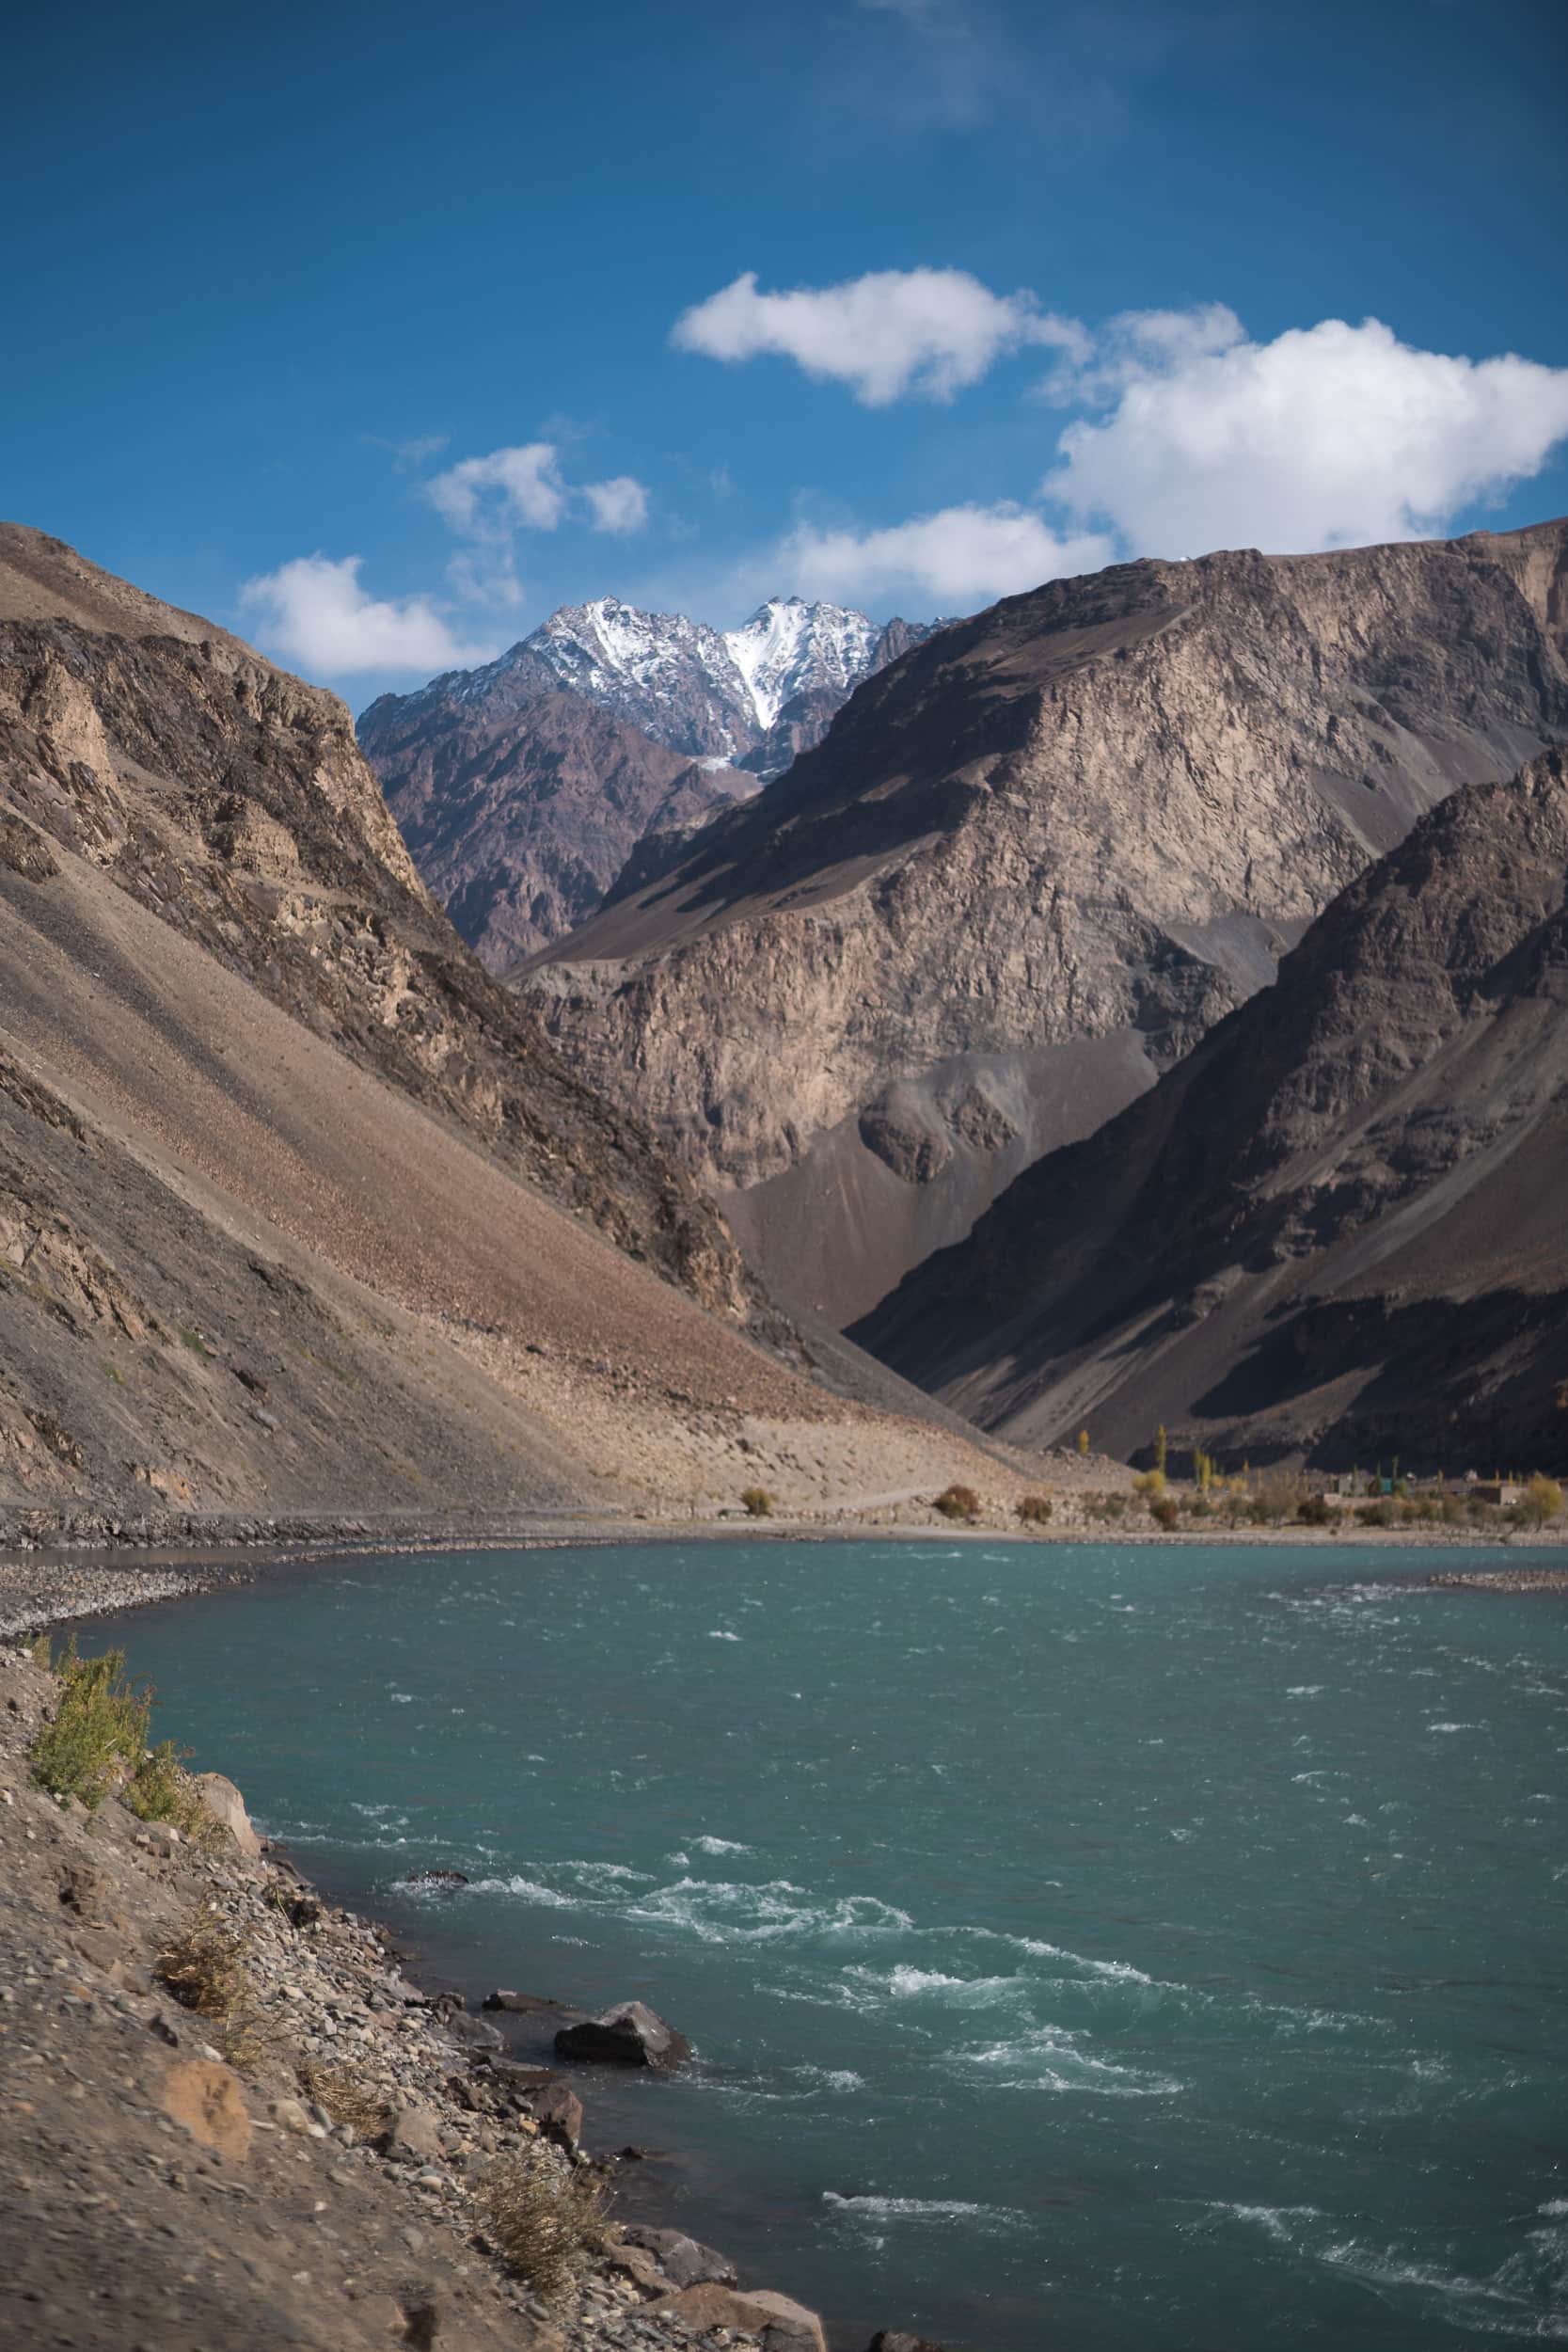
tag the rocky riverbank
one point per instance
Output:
(308, 2158)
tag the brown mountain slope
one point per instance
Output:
(520, 810)
(1034, 861)
(1341, 1226)
(297, 1209)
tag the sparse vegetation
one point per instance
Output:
(1379, 1513)
(758, 1503)
(160, 1789)
(1541, 1501)
(1151, 1483)
(1203, 1470)
(1035, 1510)
(203, 1968)
(1165, 1511)
(99, 1728)
(1315, 1511)
(1083, 1442)
(339, 2094)
(1160, 1446)
(958, 1502)
(545, 2222)
(99, 1736)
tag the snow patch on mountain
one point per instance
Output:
(789, 647)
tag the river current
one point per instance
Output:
(1143, 1947)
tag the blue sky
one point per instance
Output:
(359, 328)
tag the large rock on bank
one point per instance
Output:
(781, 2325)
(224, 1803)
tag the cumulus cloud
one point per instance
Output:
(489, 497)
(314, 612)
(954, 561)
(930, 331)
(1330, 435)
(619, 505)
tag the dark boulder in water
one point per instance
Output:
(444, 1882)
(627, 2035)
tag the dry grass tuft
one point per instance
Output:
(204, 1967)
(341, 2095)
(545, 2219)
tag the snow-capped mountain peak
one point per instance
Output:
(789, 647)
(712, 694)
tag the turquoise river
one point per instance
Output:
(1124, 1948)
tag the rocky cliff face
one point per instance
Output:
(297, 1209)
(524, 787)
(1339, 1228)
(1033, 861)
(521, 808)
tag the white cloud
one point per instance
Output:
(954, 561)
(485, 498)
(313, 612)
(620, 504)
(1330, 435)
(930, 331)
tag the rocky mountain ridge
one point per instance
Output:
(1031, 864)
(523, 787)
(1339, 1228)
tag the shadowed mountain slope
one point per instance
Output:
(1033, 861)
(521, 808)
(297, 1209)
(1339, 1228)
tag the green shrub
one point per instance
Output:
(1035, 1510)
(1542, 1500)
(758, 1503)
(1378, 1514)
(958, 1502)
(1151, 1483)
(545, 2221)
(160, 1789)
(98, 1727)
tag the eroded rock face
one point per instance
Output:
(234, 800)
(1032, 862)
(1339, 1228)
(521, 808)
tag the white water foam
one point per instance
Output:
(923, 2209)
